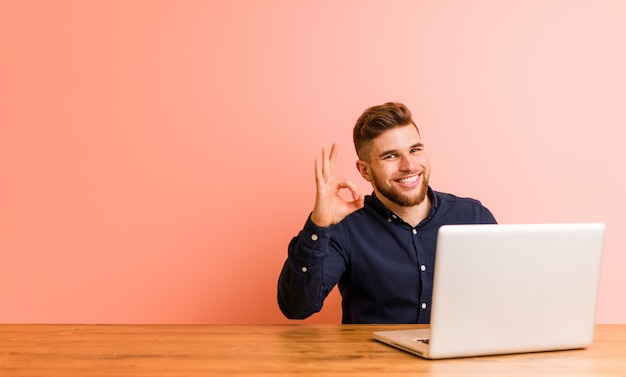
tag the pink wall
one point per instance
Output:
(157, 156)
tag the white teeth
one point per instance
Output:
(408, 181)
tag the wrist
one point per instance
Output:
(320, 222)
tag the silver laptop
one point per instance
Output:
(513, 288)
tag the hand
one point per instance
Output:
(330, 208)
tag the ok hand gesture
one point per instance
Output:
(330, 208)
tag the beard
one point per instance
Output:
(398, 197)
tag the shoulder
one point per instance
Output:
(443, 197)
(463, 209)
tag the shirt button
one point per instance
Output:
(424, 305)
(414, 231)
(423, 267)
(314, 237)
(304, 269)
(389, 219)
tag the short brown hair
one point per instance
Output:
(378, 119)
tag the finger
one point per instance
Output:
(354, 191)
(318, 174)
(358, 200)
(325, 164)
(334, 150)
(357, 204)
(329, 162)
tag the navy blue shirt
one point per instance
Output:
(382, 265)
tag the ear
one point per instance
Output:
(363, 168)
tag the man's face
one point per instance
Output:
(397, 166)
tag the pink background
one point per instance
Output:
(157, 156)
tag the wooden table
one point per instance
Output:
(270, 350)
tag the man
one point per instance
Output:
(380, 248)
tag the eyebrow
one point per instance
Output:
(395, 151)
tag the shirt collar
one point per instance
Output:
(380, 207)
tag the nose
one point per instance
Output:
(407, 163)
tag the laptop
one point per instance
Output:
(514, 288)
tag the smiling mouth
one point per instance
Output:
(409, 181)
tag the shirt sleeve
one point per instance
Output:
(304, 283)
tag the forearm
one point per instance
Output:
(301, 285)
